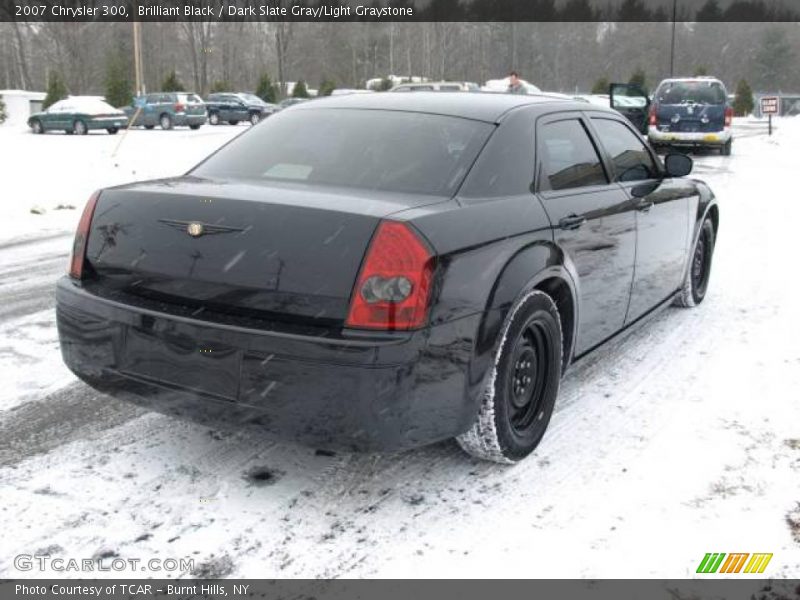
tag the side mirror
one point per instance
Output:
(678, 165)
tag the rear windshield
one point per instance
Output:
(366, 149)
(691, 92)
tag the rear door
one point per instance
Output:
(193, 104)
(662, 213)
(593, 223)
(632, 102)
(693, 106)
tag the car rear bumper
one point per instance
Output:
(714, 138)
(366, 392)
(183, 120)
(108, 123)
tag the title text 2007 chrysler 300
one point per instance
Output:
(382, 272)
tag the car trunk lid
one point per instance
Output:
(265, 250)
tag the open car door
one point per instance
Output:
(633, 102)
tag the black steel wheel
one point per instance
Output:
(519, 399)
(698, 275)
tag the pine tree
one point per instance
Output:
(300, 90)
(266, 90)
(743, 104)
(2, 110)
(326, 87)
(221, 86)
(119, 89)
(709, 12)
(56, 89)
(600, 86)
(171, 83)
(385, 85)
(639, 78)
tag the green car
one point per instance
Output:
(78, 115)
(167, 110)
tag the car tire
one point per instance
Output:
(79, 128)
(213, 119)
(698, 273)
(727, 148)
(36, 126)
(149, 126)
(165, 121)
(255, 118)
(233, 122)
(518, 400)
(112, 130)
(194, 126)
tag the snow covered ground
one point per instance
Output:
(680, 439)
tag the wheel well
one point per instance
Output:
(713, 212)
(560, 292)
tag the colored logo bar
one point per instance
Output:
(734, 563)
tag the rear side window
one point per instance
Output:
(632, 161)
(368, 149)
(505, 166)
(568, 157)
(691, 92)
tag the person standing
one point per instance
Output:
(515, 84)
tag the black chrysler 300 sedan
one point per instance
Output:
(385, 271)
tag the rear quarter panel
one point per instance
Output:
(491, 251)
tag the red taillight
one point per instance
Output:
(81, 237)
(179, 107)
(653, 116)
(728, 116)
(393, 287)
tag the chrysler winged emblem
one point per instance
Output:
(197, 229)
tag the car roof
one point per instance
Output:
(479, 106)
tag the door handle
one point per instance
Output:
(644, 206)
(571, 222)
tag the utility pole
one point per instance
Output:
(137, 56)
(137, 69)
(672, 49)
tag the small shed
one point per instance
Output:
(21, 104)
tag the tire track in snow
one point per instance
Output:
(72, 413)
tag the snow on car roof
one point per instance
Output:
(88, 104)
